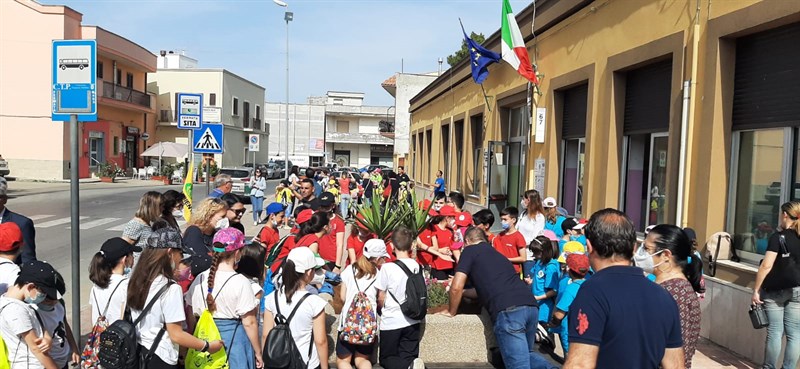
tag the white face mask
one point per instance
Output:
(222, 224)
(177, 213)
(319, 277)
(644, 260)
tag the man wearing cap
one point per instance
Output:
(331, 246)
(577, 268)
(24, 223)
(508, 299)
(642, 332)
(19, 326)
(10, 245)
(270, 235)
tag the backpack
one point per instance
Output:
(89, 358)
(119, 348)
(718, 247)
(280, 350)
(360, 324)
(4, 362)
(415, 305)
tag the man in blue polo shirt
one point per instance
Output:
(507, 298)
(619, 319)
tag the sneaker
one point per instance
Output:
(417, 364)
(255, 223)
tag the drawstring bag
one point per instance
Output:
(206, 330)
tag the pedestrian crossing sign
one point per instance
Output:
(208, 139)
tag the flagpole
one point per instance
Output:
(486, 98)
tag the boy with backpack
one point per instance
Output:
(402, 304)
(577, 267)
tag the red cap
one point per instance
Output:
(10, 237)
(448, 211)
(304, 216)
(464, 219)
(578, 263)
(425, 204)
(360, 220)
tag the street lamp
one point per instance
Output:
(287, 16)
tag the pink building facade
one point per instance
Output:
(37, 147)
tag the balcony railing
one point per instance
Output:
(125, 94)
(166, 116)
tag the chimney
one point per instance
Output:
(163, 53)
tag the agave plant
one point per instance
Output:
(380, 220)
(414, 215)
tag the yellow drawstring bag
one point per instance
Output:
(205, 330)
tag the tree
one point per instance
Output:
(464, 53)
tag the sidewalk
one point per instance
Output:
(18, 188)
(712, 356)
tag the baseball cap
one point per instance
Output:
(578, 263)
(549, 202)
(304, 259)
(230, 238)
(571, 247)
(360, 220)
(550, 235)
(448, 211)
(115, 248)
(464, 219)
(43, 275)
(326, 199)
(375, 248)
(568, 224)
(304, 216)
(314, 204)
(425, 204)
(649, 228)
(10, 237)
(581, 223)
(274, 208)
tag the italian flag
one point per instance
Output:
(513, 49)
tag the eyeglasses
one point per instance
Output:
(239, 211)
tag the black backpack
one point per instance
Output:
(118, 346)
(416, 304)
(280, 350)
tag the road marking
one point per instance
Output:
(37, 217)
(98, 222)
(118, 228)
(56, 222)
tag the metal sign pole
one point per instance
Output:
(208, 175)
(75, 230)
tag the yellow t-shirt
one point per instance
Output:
(284, 196)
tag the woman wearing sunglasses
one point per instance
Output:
(235, 210)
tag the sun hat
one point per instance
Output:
(375, 248)
(10, 237)
(231, 239)
(571, 247)
(578, 263)
(304, 259)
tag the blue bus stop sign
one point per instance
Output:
(74, 80)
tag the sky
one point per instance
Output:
(334, 45)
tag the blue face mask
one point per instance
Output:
(36, 300)
(505, 225)
(127, 271)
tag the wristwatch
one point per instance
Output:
(205, 348)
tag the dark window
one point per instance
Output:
(647, 98)
(119, 77)
(446, 150)
(235, 106)
(258, 112)
(476, 123)
(129, 80)
(573, 118)
(429, 146)
(458, 145)
(212, 100)
(246, 114)
(100, 70)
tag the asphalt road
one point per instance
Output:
(104, 211)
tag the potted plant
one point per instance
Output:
(380, 220)
(166, 173)
(438, 295)
(106, 172)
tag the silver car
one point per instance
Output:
(241, 181)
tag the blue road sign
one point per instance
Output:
(190, 111)
(74, 80)
(208, 139)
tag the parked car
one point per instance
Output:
(274, 171)
(370, 168)
(4, 170)
(241, 181)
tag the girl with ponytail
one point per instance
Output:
(667, 252)
(228, 296)
(109, 271)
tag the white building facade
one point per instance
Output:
(305, 138)
(357, 135)
(238, 101)
(404, 86)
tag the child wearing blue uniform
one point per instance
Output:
(577, 267)
(572, 230)
(544, 276)
(553, 219)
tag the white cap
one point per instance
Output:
(304, 259)
(375, 248)
(549, 202)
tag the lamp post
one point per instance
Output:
(287, 16)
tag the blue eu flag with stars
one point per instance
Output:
(480, 58)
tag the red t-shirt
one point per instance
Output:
(269, 237)
(424, 257)
(327, 243)
(445, 240)
(344, 185)
(287, 246)
(509, 245)
(355, 243)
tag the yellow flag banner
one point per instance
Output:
(187, 191)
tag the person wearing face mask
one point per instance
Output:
(620, 319)
(439, 201)
(228, 296)
(667, 253)
(530, 223)
(235, 211)
(208, 217)
(19, 327)
(435, 243)
(153, 278)
(510, 242)
(11, 242)
(172, 207)
(269, 234)
(109, 271)
(53, 317)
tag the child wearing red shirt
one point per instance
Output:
(270, 235)
(355, 242)
(510, 242)
(436, 243)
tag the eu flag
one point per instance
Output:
(480, 58)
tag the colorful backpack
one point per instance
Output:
(360, 325)
(89, 354)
